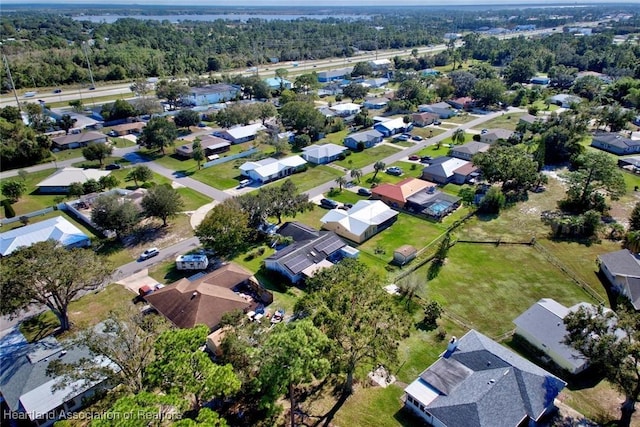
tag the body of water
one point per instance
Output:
(109, 19)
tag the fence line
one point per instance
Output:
(16, 218)
(568, 272)
(230, 158)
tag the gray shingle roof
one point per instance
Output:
(544, 321)
(502, 390)
(304, 253)
(621, 263)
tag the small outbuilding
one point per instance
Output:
(404, 254)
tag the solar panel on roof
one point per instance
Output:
(329, 246)
(298, 263)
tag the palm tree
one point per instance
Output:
(198, 152)
(356, 174)
(377, 167)
(458, 136)
(341, 180)
(66, 122)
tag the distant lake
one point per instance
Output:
(109, 19)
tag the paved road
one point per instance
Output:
(117, 152)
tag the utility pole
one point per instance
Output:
(84, 50)
(13, 87)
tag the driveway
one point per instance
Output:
(138, 280)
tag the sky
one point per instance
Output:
(231, 3)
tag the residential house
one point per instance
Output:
(330, 89)
(442, 109)
(240, 134)
(429, 72)
(345, 110)
(363, 221)
(59, 182)
(424, 118)
(525, 27)
(211, 94)
(479, 383)
(57, 228)
(603, 77)
(444, 170)
(332, 75)
(432, 203)
(211, 145)
(395, 195)
(277, 83)
(375, 103)
(76, 140)
(29, 390)
(462, 103)
(376, 83)
(128, 128)
(564, 100)
(322, 154)
(392, 126)
(310, 251)
(530, 119)
(542, 325)
(380, 64)
(615, 143)
(404, 254)
(495, 134)
(204, 299)
(271, 169)
(622, 270)
(367, 138)
(468, 150)
(541, 81)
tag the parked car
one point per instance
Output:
(414, 157)
(328, 203)
(402, 138)
(417, 138)
(483, 131)
(57, 91)
(149, 253)
(437, 122)
(364, 192)
(394, 170)
(113, 166)
(426, 159)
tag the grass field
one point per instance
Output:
(367, 157)
(312, 177)
(505, 121)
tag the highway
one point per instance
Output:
(265, 71)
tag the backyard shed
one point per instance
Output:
(404, 254)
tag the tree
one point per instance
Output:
(66, 122)
(108, 182)
(77, 105)
(281, 74)
(158, 133)
(355, 91)
(265, 111)
(162, 201)
(341, 180)
(23, 174)
(140, 173)
(615, 117)
(186, 118)
(49, 274)
(463, 82)
(377, 167)
(610, 342)
(356, 174)
(458, 136)
(118, 110)
(293, 354)
(75, 189)
(143, 407)
(587, 87)
(348, 303)
(508, 165)
(285, 200)
(492, 202)
(91, 186)
(362, 69)
(127, 339)
(97, 151)
(112, 212)
(198, 152)
(141, 87)
(488, 92)
(634, 219)
(432, 312)
(302, 117)
(172, 91)
(182, 369)
(306, 82)
(520, 70)
(595, 172)
(225, 229)
(12, 190)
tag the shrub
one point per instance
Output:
(476, 137)
(493, 201)
(348, 153)
(147, 185)
(8, 209)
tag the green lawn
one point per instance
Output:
(192, 199)
(31, 200)
(505, 121)
(367, 157)
(434, 151)
(334, 138)
(427, 132)
(460, 118)
(312, 177)
(345, 196)
(85, 312)
(409, 169)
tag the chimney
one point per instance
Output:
(453, 345)
(194, 294)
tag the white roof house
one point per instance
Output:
(242, 133)
(60, 181)
(320, 154)
(364, 220)
(58, 229)
(346, 109)
(271, 169)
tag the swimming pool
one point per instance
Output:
(438, 208)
